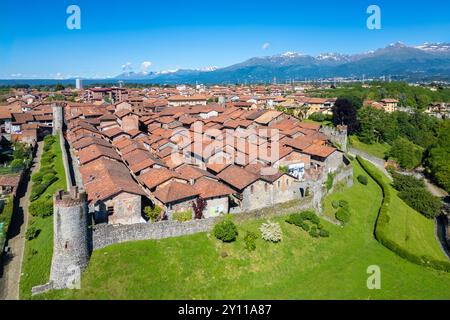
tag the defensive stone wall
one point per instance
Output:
(106, 234)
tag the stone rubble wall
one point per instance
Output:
(106, 234)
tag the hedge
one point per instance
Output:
(383, 219)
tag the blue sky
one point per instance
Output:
(35, 42)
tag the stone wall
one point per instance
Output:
(106, 234)
(336, 135)
(65, 159)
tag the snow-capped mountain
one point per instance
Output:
(426, 61)
(440, 47)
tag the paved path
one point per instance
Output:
(9, 283)
(379, 163)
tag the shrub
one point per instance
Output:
(299, 219)
(404, 182)
(271, 231)
(362, 179)
(314, 232)
(343, 215)
(41, 208)
(48, 177)
(182, 216)
(422, 201)
(226, 230)
(32, 233)
(152, 214)
(324, 233)
(335, 204)
(17, 163)
(250, 240)
(37, 177)
(304, 226)
(413, 192)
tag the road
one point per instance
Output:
(12, 268)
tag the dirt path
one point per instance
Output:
(9, 283)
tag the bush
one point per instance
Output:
(413, 192)
(343, 215)
(324, 233)
(404, 182)
(304, 226)
(182, 216)
(422, 201)
(299, 219)
(271, 231)
(41, 208)
(250, 240)
(37, 177)
(362, 179)
(226, 230)
(152, 214)
(314, 232)
(48, 177)
(32, 233)
(335, 204)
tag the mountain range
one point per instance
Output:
(426, 62)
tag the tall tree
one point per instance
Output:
(345, 113)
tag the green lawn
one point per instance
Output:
(299, 267)
(376, 149)
(410, 229)
(38, 252)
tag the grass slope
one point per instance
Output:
(410, 229)
(38, 252)
(300, 267)
(376, 149)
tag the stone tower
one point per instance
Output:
(70, 238)
(57, 118)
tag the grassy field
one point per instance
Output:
(38, 252)
(376, 149)
(410, 229)
(299, 267)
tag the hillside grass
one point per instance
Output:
(378, 150)
(299, 267)
(408, 228)
(38, 252)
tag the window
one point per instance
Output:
(252, 189)
(287, 182)
(266, 186)
(110, 211)
(279, 183)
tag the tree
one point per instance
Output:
(407, 154)
(345, 113)
(198, 207)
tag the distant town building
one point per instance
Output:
(79, 84)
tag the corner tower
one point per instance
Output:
(70, 238)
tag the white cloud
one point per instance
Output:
(265, 46)
(145, 66)
(127, 66)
